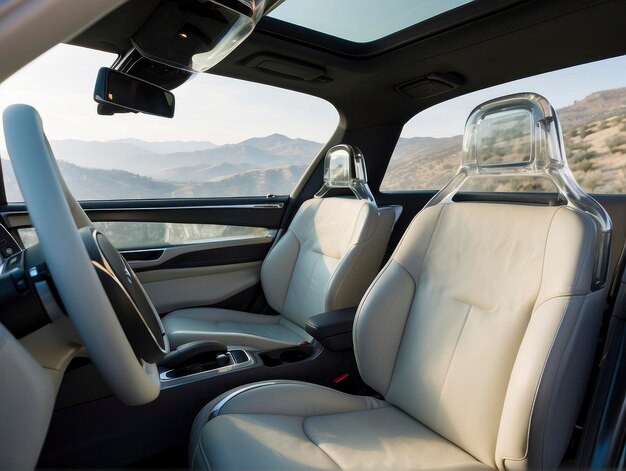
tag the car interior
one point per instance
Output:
(190, 315)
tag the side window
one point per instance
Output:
(228, 137)
(591, 105)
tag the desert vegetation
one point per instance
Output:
(594, 131)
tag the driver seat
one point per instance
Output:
(479, 332)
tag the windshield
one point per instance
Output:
(228, 137)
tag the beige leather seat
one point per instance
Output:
(479, 333)
(325, 261)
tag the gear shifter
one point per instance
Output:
(194, 357)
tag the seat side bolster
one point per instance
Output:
(540, 407)
(361, 263)
(277, 270)
(562, 388)
(549, 375)
(383, 311)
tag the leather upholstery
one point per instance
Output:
(478, 315)
(234, 328)
(317, 428)
(489, 326)
(325, 261)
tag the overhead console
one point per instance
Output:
(195, 35)
(179, 38)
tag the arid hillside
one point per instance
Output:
(594, 129)
(595, 140)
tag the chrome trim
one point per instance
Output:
(201, 375)
(217, 206)
(19, 219)
(176, 250)
(215, 410)
(47, 299)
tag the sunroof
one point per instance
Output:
(361, 21)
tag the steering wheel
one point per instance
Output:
(105, 301)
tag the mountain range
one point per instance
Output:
(594, 129)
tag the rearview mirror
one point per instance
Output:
(117, 89)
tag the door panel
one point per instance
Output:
(186, 252)
(241, 211)
(220, 251)
(172, 289)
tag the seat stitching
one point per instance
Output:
(536, 392)
(560, 367)
(371, 288)
(238, 334)
(293, 269)
(319, 252)
(317, 444)
(343, 273)
(558, 296)
(203, 454)
(365, 207)
(545, 250)
(416, 285)
(456, 346)
(582, 263)
(191, 318)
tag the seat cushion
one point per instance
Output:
(294, 425)
(234, 328)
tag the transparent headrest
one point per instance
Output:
(344, 167)
(519, 137)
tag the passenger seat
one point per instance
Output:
(325, 261)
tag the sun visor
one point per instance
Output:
(195, 35)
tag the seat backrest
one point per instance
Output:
(483, 324)
(332, 249)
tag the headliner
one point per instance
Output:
(487, 42)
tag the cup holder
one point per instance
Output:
(286, 356)
(292, 356)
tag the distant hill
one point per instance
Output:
(595, 140)
(88, 183)
(169, 146)
(142, 158)
(200, 172)
(423, 162)
(594, 130)
(596, 107)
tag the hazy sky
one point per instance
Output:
(223, 110)
(561, 88)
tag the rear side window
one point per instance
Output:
(228, 137)
(591, 104)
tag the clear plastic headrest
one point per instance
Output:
(519, 137)
(344, 167)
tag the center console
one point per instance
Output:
(205, 359)
(88, 418)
